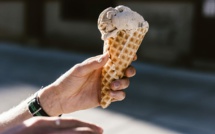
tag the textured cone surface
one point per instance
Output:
(122, 50)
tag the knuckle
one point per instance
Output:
(123, 95)
(78, 69)
(127, 83)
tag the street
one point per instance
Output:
(160, 100)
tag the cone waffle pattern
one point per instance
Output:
(122, 50)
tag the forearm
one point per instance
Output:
(21, 112)
(15, 115)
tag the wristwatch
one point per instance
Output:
(35, 107)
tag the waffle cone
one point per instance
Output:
(122, 48)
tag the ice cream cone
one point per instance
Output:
(121, 43)
(122, 50)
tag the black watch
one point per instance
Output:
(35, 107)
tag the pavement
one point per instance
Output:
(160, 100)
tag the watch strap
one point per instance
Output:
(35, 107)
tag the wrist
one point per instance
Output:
(35, 108)
(49, 100)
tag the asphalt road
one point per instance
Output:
(160, 100)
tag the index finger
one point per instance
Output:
(74, 123)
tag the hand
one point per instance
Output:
(79, 88)
(53, 125)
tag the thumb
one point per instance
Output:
(93, 63)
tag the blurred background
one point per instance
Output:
(174, 89)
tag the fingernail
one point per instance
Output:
(101, 130)
(100, 59)
(107, 53)
(116, 84)
(131, 71)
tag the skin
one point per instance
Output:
(48, 125)
(77, 89)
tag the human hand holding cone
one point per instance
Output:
(122, 31)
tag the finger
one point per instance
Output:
(135, 57)
(117, 95)
(120, 84)
(98, 58)
(81, 130)
(130, 71)
(84, 130)
(93, 127)
(73, 123)
(61, 125)
(92, 64)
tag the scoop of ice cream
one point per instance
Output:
(112, 20)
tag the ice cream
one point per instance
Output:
(112, 20)
(122, 31)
